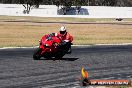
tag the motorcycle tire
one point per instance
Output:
(36, 55)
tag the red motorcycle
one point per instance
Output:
(50, 47)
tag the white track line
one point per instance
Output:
(75, 45)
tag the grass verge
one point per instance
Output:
(59, 19)
(20, 34)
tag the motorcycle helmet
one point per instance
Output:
(62, 30)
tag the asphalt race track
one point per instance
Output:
(19, 70)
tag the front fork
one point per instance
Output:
(43, 49)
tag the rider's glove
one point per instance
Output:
(63, 43)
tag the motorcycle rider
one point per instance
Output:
(66, 39)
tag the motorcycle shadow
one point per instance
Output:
(62, 59)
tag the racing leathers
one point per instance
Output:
(66, 39)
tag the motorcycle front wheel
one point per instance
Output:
(37, 54)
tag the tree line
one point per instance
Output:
(66, 4)
(73, 2)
